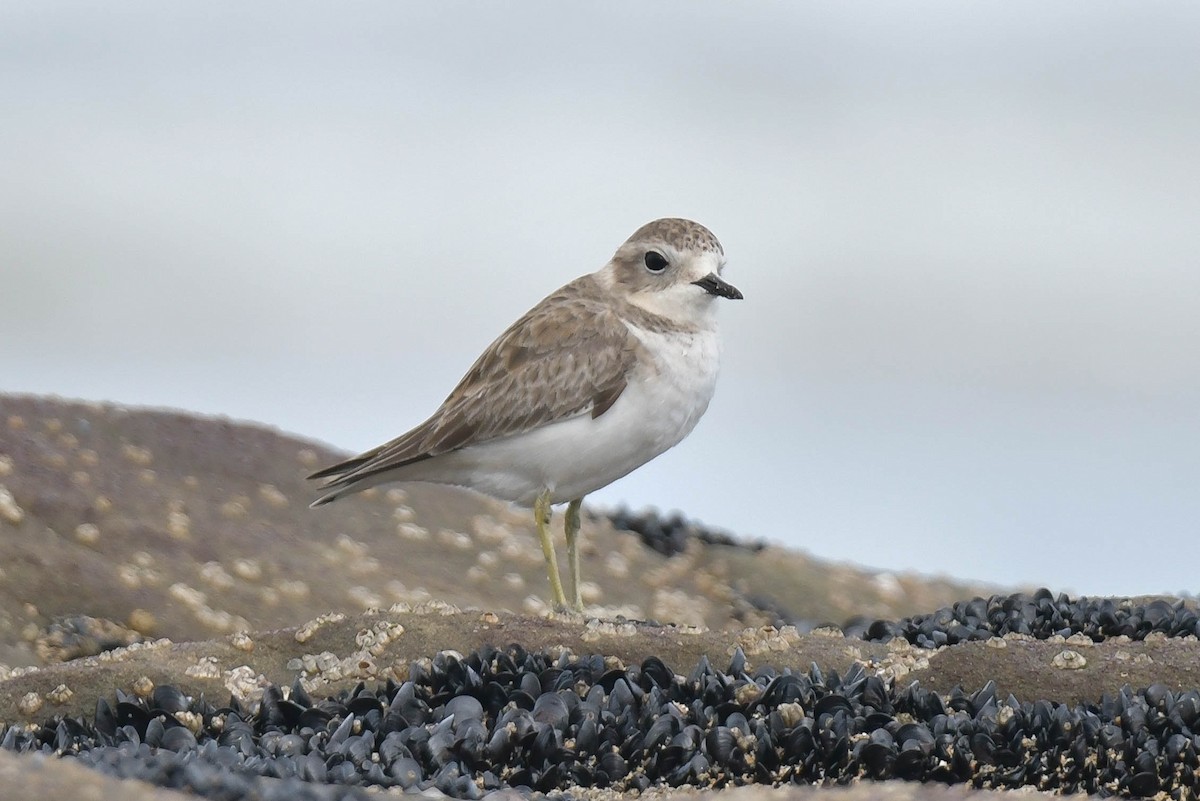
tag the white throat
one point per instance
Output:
(686, 305)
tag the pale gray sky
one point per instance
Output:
(967, 234)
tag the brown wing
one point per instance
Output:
(567, 356)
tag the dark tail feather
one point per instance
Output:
(328, 497)
(357, 474)
(341, 468)
(339, 482)
(346, 484)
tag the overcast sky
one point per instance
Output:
(968, 235)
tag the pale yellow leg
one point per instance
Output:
(571, 527)
(541, 516)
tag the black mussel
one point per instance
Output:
(1143, 784)
(169, 699)
(552, 710)
(878, 759)
(613, 765)
(654, 672)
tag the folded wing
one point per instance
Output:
(569, 355)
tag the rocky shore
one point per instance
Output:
(174, 620)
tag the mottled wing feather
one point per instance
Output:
(567, 356)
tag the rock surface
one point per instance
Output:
(121, 528)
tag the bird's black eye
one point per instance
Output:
(655, 261)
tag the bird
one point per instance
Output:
(600, 377)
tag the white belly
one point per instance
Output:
(660, 406)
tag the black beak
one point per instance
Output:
(713, 285)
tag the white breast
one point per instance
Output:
(672, 393)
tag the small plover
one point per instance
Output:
(594, 381)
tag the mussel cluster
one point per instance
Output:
(670, 534)
(498, 718)
(1040, 615)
